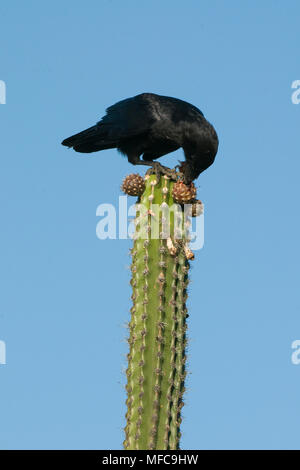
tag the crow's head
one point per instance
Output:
(196, 164)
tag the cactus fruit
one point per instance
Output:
(157, 341)
(182, 193)
(133, 185)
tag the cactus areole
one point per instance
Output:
(157, 340)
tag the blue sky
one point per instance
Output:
(65, 295)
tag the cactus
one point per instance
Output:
(157, 342)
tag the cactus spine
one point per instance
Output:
(156, 360)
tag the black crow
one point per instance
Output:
(152, 126)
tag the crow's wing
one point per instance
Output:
(130, 117)
(125, 119)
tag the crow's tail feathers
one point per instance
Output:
(91, 140)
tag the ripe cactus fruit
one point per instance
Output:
(182, 193)
(133, 185)
(156, 359)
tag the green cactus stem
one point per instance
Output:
(157, 342)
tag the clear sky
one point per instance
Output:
(65, 295)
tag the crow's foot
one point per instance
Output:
(159, 170)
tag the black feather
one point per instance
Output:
(152, 125)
